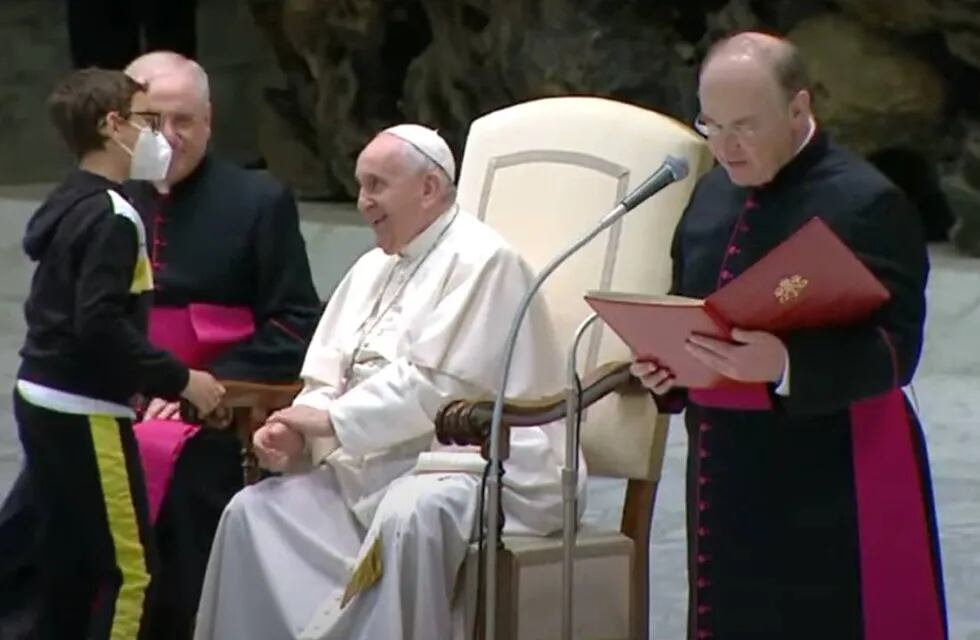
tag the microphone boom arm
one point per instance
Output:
(673, 169)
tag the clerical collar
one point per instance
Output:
(809, 136)
(424, 241)
(812, 149)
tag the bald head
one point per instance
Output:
(779, 57)
(161, 63)
(178, 89)
(755, 105)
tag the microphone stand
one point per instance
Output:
(569, 478)
(672, 169)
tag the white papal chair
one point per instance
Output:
(542, 173)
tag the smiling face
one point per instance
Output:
(753, 127)
(398, 196)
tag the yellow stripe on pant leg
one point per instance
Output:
(121, 516)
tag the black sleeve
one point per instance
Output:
(102, 301)
(831, 368)
(287, 307)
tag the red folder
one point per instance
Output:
(812, 279)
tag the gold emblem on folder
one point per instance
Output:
(789, 289)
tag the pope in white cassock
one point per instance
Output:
(368, 492)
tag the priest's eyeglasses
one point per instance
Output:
(742, 131)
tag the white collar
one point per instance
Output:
(809, 136)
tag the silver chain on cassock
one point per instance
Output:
(377, 314)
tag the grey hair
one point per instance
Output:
(418, 162)
(201, 80)
(157, 63)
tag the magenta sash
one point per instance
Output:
(898, 589)
(160, 443)
(198, 333)
(195, 335)
(750, 397)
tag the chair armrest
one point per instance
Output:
(467, 422)
(244, 407)
(241, 394)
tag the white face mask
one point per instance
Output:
(151, 155)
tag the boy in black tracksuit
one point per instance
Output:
(86, 357)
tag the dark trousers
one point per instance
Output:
(111, 33)
(18, 545)
(95, 554)
(18, 560)
(207, 475)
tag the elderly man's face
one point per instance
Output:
(753, 129)
(395, 198)
(186, 121)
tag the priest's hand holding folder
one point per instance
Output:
(751, 356)
(732, 337)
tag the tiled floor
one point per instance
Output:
(947, 389)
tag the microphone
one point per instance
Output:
(672, 170)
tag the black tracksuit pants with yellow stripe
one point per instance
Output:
(95, 547)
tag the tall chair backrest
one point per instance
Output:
(542, 174)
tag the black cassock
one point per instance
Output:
(810, 515)
(224, 236)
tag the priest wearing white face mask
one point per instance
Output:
(416, 322)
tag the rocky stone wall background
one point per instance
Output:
(34, 51)
(303, 84)
(896, 80)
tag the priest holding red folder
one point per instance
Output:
(810, 509)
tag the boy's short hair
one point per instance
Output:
(80, 101)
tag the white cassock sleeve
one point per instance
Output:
(321, 369)
(456, 351)
(395, 405)
(321, 373)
